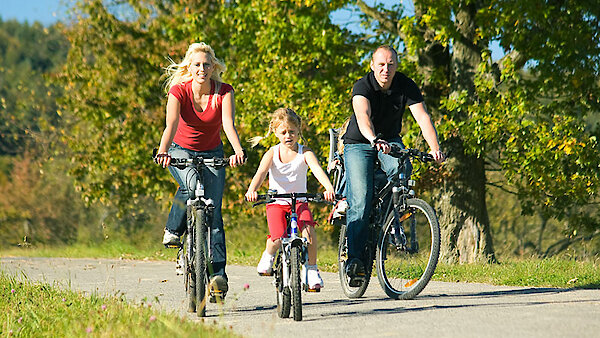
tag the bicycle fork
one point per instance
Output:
(286, 247)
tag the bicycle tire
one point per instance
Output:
(190, 277)
(200, 263)
(295, 282)
(404, 273)
(188, 254)
(284, 297)
(349, 291)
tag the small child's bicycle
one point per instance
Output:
(290, 257)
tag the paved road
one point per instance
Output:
(442, 309)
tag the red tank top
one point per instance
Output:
(199, 131)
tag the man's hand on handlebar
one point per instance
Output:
(438, 156)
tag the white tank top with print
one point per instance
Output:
(288, 177)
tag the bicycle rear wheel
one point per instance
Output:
(200, 263)
(349, 291)
(284, 297)
(404, 272)
(295, 283)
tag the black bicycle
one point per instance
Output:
(404, 233)
(290, 257)
(194, 251)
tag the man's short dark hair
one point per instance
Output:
(386, 47)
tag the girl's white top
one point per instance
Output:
(288, 177)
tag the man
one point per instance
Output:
(378, 100)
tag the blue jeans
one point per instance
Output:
(359, 162)
(214, 185)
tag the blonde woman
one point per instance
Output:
(199, 104)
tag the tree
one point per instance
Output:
(524, 114)
(278, 54)
(28, 55)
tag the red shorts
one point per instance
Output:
(277, 222)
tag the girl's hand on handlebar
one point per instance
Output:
(251, 196)
(164, 159)
(438, 156)
(329, 195)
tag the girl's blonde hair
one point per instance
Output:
(178, 73)
(279, 117)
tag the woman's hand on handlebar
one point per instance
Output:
(164, 159)
(238, 159)
(251, 196)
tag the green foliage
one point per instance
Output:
(529, 115)
(28, 55)
(278, 54)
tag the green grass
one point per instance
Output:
(37, 309)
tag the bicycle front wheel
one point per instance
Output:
(295, 283)
(284, 298)
(404, 270)
(200, 263)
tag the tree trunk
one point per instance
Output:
(462, 210)
(464, 221)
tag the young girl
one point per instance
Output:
(287, 165)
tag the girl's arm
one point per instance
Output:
(315, 167)
(172, 121)
(228, 117)
(259, 177)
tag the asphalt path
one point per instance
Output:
(441, 310)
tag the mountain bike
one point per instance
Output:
(404, 233)
(194, 254)
(290, 257)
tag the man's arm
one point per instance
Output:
(362, 110)
(420, 114)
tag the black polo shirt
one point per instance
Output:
(387, 108)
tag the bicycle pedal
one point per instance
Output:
(265, 274)
(172, 246)
(307, 289)
(217, 297)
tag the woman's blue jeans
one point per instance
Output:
(359, 160)
(214, 185)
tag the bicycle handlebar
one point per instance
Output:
(182, 163)
(398, 152)
(311, 197)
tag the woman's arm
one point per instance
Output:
(315, 167)
(228, 118)
(172, 121)
(259, 177)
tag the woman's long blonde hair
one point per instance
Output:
(280, 116)
(177, 73)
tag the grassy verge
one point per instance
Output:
(37, 309)
(245, 247)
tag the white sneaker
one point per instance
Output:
(265, 266)
(171, 239)
(311, 272)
